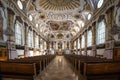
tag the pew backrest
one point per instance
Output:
(18, 69)
(101, 68)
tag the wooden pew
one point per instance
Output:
(41, 61)
(97, 64)
(80, 63)
(18, 70)
(102, 71)
(38, 63)
(78, 60)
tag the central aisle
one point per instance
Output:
(58, 69)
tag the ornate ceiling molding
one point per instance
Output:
(59, 5)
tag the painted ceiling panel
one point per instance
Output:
(60, 16)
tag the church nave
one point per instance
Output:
(58, 69)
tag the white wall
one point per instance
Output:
(37, 53)
(31, 53)
(90, 53)
(83, 53)
(67, 51)
(20, 52)
(13, 54)
(100, 51)
(108, 54)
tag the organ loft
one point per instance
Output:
(59, 39)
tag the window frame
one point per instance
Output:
(89, 38)
(37, 41)
(18, 36)
(83, 41)
(20, 5)
(99, 4)
(30, 38)
(101, 32)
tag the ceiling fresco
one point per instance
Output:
(59, 25)
(59, 5)
(65, 17)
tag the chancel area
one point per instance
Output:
(59, 39)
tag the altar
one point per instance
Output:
(60, 51)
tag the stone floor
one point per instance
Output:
(58, 69)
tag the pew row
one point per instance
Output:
(40, 63)
(102, 71)
(78, 62)
(18, 70)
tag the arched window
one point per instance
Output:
(20, 5)
(30, 17)
(89, 16)
(45, 46)
(100, 3)
(89, 38)
(101, 32)
(37, 25)
(1, 27)
(30, 38)
(41, 44)
(83, 41)
(18, 33)
(37, 41)
(74, 44)
(117, 18)
(78, 43)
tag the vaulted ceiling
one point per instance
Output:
(55, 17)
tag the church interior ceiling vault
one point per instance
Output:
(54, 17)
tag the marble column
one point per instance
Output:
(76, 46)
(72, 46)
(56, 46)
(1, 27)
(48, 47)
(85, 49)
(109, 39)
(10, 33)
(63, 47)
(94, 39)
(26, 49)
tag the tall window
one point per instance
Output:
(1, 27)
(37, 41)
(37, 25)
(100, 3)
(78, 43)
(20, 5)
(101, 32)
(18, 33)
(30, 38)
(41, 44)
(83, 41)
(45, 46)
(74, 44)
(89, 38)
